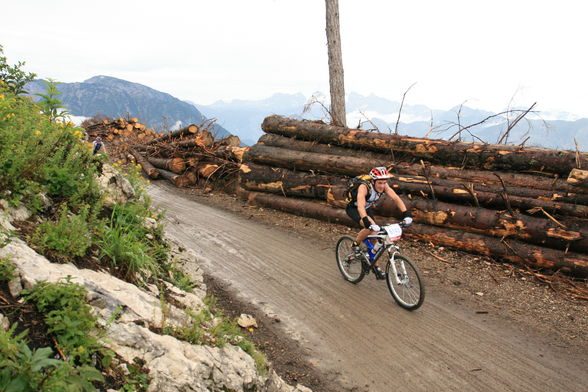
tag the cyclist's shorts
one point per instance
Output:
(353, 213)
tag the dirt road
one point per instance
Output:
(357, 331)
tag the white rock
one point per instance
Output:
(4, 322)
(116, 188)
(15, 287)
(15, 213)
(106, 292)
(179, 366)
(246, 321)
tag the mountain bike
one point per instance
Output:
(402, 276)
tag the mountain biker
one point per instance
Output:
(360, 208)
(97, 145)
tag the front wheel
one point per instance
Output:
(404, 283)
(350, 266)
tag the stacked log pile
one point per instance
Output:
(183, 157)
(525, 205)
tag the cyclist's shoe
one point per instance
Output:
(380, 275)
(357, 251)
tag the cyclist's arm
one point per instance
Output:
(394, 196)
(361, 194)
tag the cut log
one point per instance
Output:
(176, 165)
(180, 132)
(151, 171)
(350, 166)
(134, 120)
(579, 177)
(206, 170)
(176, 179)
(476, 155)
(540, 231)
(489, 199)
(300, 160)
(512, 250)
(553, 183)
(232, 141)
(299, 207)
(286, 182)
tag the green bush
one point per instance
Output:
(26, 370)
(6, 269)
(69, 236)
(67, 315)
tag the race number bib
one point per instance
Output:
(394, 231)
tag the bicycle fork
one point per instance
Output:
(400, 276)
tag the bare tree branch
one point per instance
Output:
(400, 109)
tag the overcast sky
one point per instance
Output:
(480, 51)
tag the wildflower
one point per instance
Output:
(37, 132)
(1, 96)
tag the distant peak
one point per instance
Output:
(102, 79)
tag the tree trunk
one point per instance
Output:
(579, 178)
(336, 79)
(176, 179)
(145, 165)
(350, 166)
(176, 165)
(180, 132)
(482, 156)
(287, 183)
(539, 231)
(450, 173)
(299, 160)
(512, 250)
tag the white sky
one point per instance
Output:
(202, 51)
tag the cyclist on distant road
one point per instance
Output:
(97, 145)
(363, 198)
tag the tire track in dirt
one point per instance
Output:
(357, 330)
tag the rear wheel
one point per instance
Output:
(350, 266)
(404, 283)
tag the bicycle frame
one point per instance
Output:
(381, 239)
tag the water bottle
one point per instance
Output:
(376, 247)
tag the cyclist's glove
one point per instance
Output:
(407, 218)
(375, 228)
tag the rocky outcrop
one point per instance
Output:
(173, 365)
(116, 188)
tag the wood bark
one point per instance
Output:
(459, 194)
(579, 178)
(180, 132)
(553, 183)
(176, 179)
(336, 78)
(300, 160)
(176, 165)
(476, 155)
(145, 165)
(511, 250)
(450, 190)
(287, 183)
(541, 231)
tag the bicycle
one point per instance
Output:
(402, 276)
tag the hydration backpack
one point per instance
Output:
(353, 185)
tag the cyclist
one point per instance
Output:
(364, 197)
(97, 145)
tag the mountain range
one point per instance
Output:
(550, 130)
(114, 97)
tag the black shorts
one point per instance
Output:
(353, 213)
